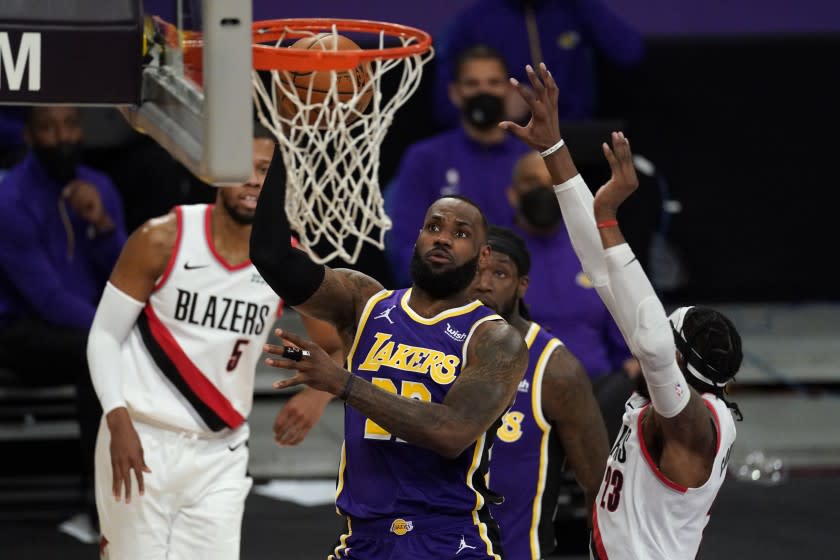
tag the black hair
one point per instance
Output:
(710, 343)
(476, 52)
(260, 132)
(505, 241)
(472, 203)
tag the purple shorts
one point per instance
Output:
(421, 538)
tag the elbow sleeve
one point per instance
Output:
(288, 270)
(115, 317)
(653, 343)
(641, 317)
(576, 202)
(290, 273)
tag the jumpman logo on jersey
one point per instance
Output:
(463, 546)
(386, 314)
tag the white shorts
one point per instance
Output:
(193, 501)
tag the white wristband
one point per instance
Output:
(554, 148)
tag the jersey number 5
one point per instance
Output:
(408, 389)
(236, 354)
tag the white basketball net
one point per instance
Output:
(332, 164)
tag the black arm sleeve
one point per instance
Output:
(288, 270)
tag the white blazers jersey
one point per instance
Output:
(189, 362)
(640, 513)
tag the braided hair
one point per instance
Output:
(711, 347)
(505, 241)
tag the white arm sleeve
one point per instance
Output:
(576, 202)
(640, 314)
(114, 319)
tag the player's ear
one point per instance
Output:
(523, 286)
(512, 196)
(455, 95)
(483, 256)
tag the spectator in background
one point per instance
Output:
(12, 146)
(61, 231)
(474, 160)
(565, 34)
(561, 297)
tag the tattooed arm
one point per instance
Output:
(340, 300)
(568, 402)
(496, 361)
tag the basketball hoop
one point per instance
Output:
(329, 136)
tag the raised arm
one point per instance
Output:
(625, 289)
(678, 410)
(543, 133)
(569, 403)
(496, 361)
(335, 296)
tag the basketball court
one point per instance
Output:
(193, 75)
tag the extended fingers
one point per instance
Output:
(298, 341)
(290, 382)
(126, 476)
(621, 145)
(138, 472)
(550, 84)
(116, 484)
(526, 92)
(536, 82)
(282, 363)
(611, 159)
(273, 349)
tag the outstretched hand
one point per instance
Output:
(315, 367)
(543, 130)
(623, 181)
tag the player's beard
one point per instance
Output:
(445, 283)
(240, 218)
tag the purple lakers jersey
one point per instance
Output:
(382, 476)
(519, 465)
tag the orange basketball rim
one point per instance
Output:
(266, 57)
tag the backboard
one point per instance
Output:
(180, 70)
(196, 85)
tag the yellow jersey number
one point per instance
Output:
(408, 389)
(511, 428)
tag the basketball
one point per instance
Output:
(320, 80)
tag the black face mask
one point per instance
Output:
(484, 110)
(539, 208)
(61, 161)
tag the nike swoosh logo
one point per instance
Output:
(631, 261)
(187, 266)
(235, 447)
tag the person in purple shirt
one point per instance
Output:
(565, 34)
(560, 296)
(12, 147)
(474, 160)
(61, 231)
